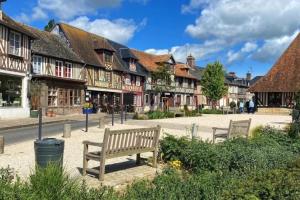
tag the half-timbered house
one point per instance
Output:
(15, 60)
(110, 68)
(59, 71)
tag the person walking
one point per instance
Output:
(241, 106)
(251, 106)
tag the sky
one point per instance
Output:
(244, 35)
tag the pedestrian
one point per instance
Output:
(251, 106)
(247, 107)
(241, 106)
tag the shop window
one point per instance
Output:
(15, 43)
(71, 95)
(63, 97)
(68, 70)
(10, 91)
(37, 64)
(77, 97)
(59, 68)
(52, 96)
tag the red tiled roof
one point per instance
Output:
(151, 61)
(284, 76)
(182, 70)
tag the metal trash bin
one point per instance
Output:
(49, 150)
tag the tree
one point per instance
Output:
(51, 24)
(213, 82)
(163, 78)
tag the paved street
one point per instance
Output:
(49, 130)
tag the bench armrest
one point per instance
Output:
(93, 143)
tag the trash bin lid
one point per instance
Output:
(49, 141)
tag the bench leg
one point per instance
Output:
(155, 159)
(101, 171)
(85, 161)
(138, 158)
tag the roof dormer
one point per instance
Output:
(105, 52)
(130, 58)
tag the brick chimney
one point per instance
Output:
(191, 61)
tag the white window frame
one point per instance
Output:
(37, 64)
(13, 49)
(61, 70)
(69, 65)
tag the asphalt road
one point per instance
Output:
(31, 133)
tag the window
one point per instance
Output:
(180, 82)
(71, 95)
(101, 75)
(127, 79)
(63, 97)
(37, 64)
(10, 91)
(108, 76)
(97, 72)
(52, 96)
(188, 100)
(146, 98)
(138, 81)
(132, 65)
(58, 68)
(189, 83)
(133, 79)
(77, 97)
(68, 70)
(107, 58)
(15, 43)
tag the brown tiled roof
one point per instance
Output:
(51, 45)
(284, 76)
(10, 23)
(150, 61)
(85, 44)
(181, 70)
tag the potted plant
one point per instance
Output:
(87, 108)
(233, 106)
(35, 93)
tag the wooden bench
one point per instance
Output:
(236, 129)
(118, 143)
(177, 111)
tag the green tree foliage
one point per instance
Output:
(163, 78)
(212, 82)
(50, 25)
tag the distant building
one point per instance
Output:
(278, 87)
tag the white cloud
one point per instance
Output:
(119, 30)
(270, 23)
(199, 51)
(273, 48)
(249, 47)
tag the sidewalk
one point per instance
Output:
(27, 122)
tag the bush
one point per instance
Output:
(160, 115)
(267, 150)
(232, 105)
(211, 111)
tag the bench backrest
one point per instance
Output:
(239, 128)
(130, 140)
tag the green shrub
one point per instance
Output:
(232, 105)
(160, 115)
(294, 130)
(211, 111)
(267, 150)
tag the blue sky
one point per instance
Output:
(245, 35)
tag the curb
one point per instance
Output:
(33, 124)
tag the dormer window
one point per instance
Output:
(108, 59)
(15, 43)
(132, 65)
